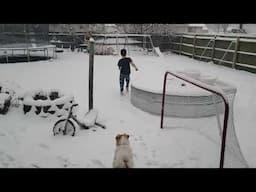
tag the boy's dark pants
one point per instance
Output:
(123, 77)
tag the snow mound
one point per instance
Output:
(89, 119)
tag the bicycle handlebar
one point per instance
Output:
(73, 105)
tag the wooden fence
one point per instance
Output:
(235, 51)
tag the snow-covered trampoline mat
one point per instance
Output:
(182, 99)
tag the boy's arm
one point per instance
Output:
(135, 67)
(119, 65)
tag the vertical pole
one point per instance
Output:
(28, 55)
(163, 100)
(224, 135)
(147, 47)
(143, 43)
(194, 44)
(152, 44)
(103, 51)
(181, 38)
(116, 43)
(26, 38)
(7, 60)
(213, 48)
(235, 53)
(91, 61)
(118, 48)
(127, 45)
(54, 52)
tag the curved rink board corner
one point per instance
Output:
(182, 99)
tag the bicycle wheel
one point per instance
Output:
(59, 127)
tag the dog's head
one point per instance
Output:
(122, 139)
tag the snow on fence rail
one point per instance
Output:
(236, 51)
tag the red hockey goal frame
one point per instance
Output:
(207, 88)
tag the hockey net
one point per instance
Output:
(230, 154)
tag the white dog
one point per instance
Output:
(123, 157)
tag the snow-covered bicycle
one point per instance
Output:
(71, 124)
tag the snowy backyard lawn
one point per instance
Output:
(27, 140)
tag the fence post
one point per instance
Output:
(213, 48)
(194, 43)
(91, 60)
(235, 53)
(7, 60)
(28, 56)
(170, 41)
(181, 38)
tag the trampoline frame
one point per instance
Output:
(27, 50)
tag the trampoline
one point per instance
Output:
(24, 53)
(25, 43)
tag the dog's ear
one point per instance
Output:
(118, 137)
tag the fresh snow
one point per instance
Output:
(90, 118)
(28, 141)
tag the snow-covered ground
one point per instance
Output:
(28, 141)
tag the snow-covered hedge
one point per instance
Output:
(5, 102)
(5, 99)
(45, 103)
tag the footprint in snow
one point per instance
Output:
(177, 165)
(98, 163)
(43, 146)
(34, 165)
(122, 121)
(6, 160)
(150, 163)
(65, 162)
(153, 153)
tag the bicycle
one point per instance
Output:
(69, 125)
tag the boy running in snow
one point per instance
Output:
(124, 67)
